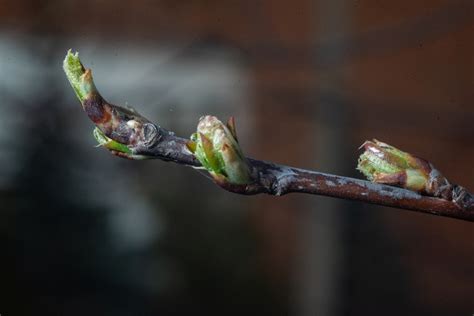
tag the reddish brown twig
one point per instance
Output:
(277, 180)
(127, 134)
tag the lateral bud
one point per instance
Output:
(383, 163)
(216, 147)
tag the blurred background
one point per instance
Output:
(85, 233)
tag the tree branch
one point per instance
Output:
(127, 134)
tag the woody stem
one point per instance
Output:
(144, 139)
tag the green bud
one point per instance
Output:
(386, 164)
(216, 147)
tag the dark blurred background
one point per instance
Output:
(85, 233)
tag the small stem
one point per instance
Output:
(144, 139)
(279, 180)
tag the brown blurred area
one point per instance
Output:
(319, 77)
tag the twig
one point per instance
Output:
(127, 134)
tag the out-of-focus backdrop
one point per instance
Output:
(85, 233)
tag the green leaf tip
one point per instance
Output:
(109, 143)
(216, 147)
(79, 77)
(117, 148)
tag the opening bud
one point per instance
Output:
(215, 145)
(383, 163)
